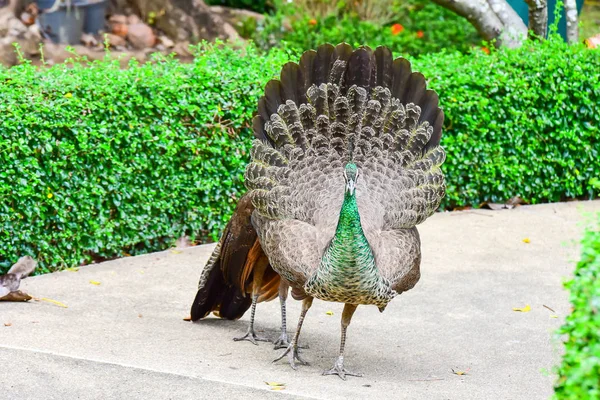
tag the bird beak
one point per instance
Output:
(350, 187)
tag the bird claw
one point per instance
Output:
(252, 337)
(339, 370)
(283, 342)
(293, 356)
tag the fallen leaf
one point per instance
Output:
(527, 308)
(140, 315)
(329, 312)
(554, 316)
(275, 384)
(7, 324)
(141, 271)
(188, 318)
(459, 372)
(526, 240)
(278, 388)
(58, 303)
(175, 251)
(95, 283)
(73, 269)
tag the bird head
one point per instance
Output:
(351, 176)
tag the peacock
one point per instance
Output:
(345, 163)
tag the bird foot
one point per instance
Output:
(339, 370)
(252, 337)
(293, 356)
(283, 342)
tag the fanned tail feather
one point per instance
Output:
(338, 106)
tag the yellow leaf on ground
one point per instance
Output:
(175, 251)
(526, 240)
(95, 283)
(554, 316)
(277, 387)
(275, 384)
(329, 312)
(527, 308)
(459, 372)
(58, 303)
(74, 269)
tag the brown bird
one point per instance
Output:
(238, 275)
(9, 283)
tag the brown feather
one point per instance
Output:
(232, 275)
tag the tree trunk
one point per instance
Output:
(538, 18)
(493, 19)
(572, 26)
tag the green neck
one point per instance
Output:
(349, 252)
(347, 272)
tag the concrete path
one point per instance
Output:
(125, 337)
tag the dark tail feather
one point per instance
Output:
(216, 295)
(234, 304)
(208, 296)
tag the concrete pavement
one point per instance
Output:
(125, 337)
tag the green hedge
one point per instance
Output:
(98, 162)
(519, 122)
(579, 373)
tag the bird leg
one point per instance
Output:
(251, 336)
(292, 350)
(338, 367)
(282, 342)
(257, 279)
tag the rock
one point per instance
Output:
(88, 40)
(133, 19)
(141, 36)
(166, 42)
(119, 28)
(182, 49)
(30, 14)
(15, 27)
(116, 40)
(8, 56)
(118, 19)
(185, 20)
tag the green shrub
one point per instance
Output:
(415, 27)
(519, 122)
(98, 162)
(579, 372)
